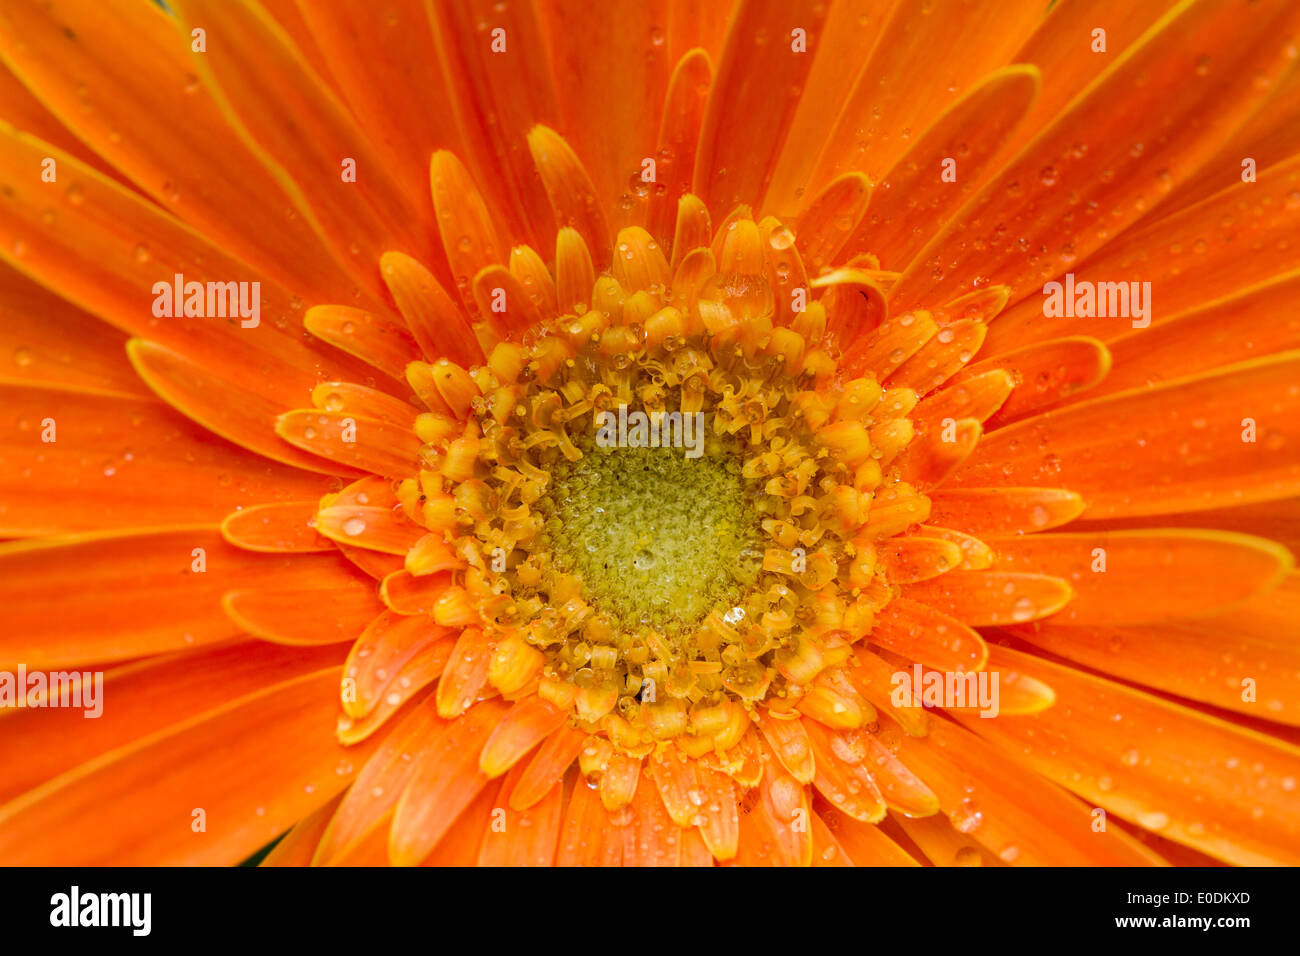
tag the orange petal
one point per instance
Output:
(651, 838)
(530, 721)
(717, 816)
(863, 844)
(381, 780)
(122, 245)
(1011, 693)
(386, 645)
(893, 100)
(437, 324)
(932, 457)
(976, 555)
(942, 844)
(1269, 137)
(874, 677)
(751, 109)
(505, 303)
(640, 264)
(378, 566)
(850, 31)
(985, 511)
(1212, 659)
(848, 787)
(445, 780)
(977, 397)
(679, 131)
(468, 233)
(405, 593)
(1237, 805)
(54, 619)
(366, 443)
(858, 320)
(523, 837)
(51, 342)
(302, 615)
(499, 95)
(676, 776)
(243, 412)
(940, 358)
(22, 109)
(693, 23)
(547, 767)
(914, 197)
(573, 197)
(1054, 43)
(368, 849)
(825, 226)
(379, 529)
(694, 851)
(696, 267)
(65, 56)
(916, 558)
(407, 683)
(299, 844)
(902, 790)
(827, 850)
(358, 401)
(107, 811)
(464, 840)
(574, 272)
(929, 634)
(774, 823)
(1052, 177)
(148, 696)
(588, 838)
(1145, 577)
(376, 340)
(618, 781)
(785, 271)
(1235, 239)
(466, 673)
(1242, 326)
(983, 598)
(1045, 374)
(380, 65)
(693, 231)
(75, 461)
(789, 741)
(611, 85)
(1017, 815)
(1109, 448)
(534, 275)
(286, 527)
(303, 133)
(883, 349)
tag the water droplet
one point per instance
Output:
(1153, 820)
(968, 856)
(782, 237)
(966, 817)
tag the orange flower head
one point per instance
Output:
(849, 433)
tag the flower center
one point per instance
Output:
(658, 539)
(658, 504)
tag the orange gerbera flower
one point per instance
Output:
(804, 431)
